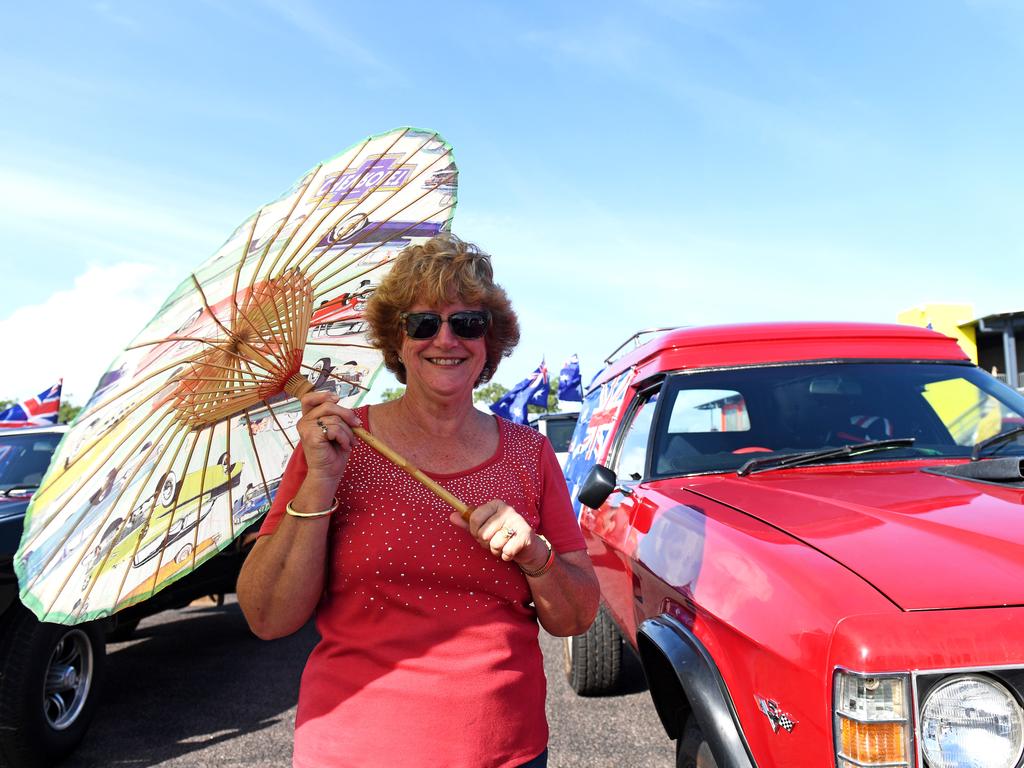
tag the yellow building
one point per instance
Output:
(990, 341)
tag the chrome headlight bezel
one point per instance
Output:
(1009, 679)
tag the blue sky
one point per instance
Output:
(627, 164)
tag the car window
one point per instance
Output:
(968, 412)
(24, 458)
(560, 433)
(632, 452)
(714, 421)
(709, 410)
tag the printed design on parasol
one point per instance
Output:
(183, 443)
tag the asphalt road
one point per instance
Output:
(194, 688)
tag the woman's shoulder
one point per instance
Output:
(521, 434)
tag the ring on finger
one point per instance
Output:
(323, 427)
(510, 532)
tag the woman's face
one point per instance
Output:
(446, 364)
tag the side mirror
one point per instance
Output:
(597, 486)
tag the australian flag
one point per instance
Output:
(38, 411)
(532, 390)
(570, 385)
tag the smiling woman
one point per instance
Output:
(414, 605)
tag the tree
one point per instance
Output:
(392, 394)
(489, 393)
(68, 411)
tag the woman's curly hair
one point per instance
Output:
(443, 270)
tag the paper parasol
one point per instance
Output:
(183, 443)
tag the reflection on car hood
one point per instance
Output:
(924, 540)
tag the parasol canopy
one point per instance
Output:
(183, 443)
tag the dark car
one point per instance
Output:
(51, 674)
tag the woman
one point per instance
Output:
(429, 653)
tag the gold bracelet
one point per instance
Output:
(547, 563)
(289, 509)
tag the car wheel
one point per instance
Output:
(50, 676)
(594, 660)
(167, 489)
(692, 750)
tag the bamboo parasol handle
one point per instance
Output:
(402, 463)
(297, 386)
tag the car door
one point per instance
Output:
(612, 524)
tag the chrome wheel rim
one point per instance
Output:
(68, 679)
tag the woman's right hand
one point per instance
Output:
(325, 430)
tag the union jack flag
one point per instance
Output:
(593, 431)
(38, 411)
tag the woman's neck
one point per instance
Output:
(441, 417)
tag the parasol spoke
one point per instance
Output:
(298, 197)
(41, 528)
(144, 529)
(318, 285)
(259, 461)
(96, 532)
(273, 415)
(377, 225)
(329, 209)
(336, 377)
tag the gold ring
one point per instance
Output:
(510, 532)
(323, 427)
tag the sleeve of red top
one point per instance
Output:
(293, 476)
(557, 519)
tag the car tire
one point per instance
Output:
(594, 661)
(692, 750)
(66, 663)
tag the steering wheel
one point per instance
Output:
(753, 449)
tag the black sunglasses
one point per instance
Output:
(471, 324)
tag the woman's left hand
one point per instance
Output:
(498, 528)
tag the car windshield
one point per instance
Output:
(25, 457)
(717, 421)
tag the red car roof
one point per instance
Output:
(764, 343)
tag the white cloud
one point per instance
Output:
(66, 207)
(76, 333)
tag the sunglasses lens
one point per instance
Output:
(465, 325)
(422, 325)
(468, 325)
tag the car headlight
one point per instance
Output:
(970, 721)
(872, 719)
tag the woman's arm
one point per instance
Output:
(283, 576)
(566, 594)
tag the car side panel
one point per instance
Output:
(763, 605)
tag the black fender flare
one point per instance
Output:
(684, 679)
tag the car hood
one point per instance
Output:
(926, 541)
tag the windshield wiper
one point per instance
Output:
(20, 490)
(809, 457)
(989, 442)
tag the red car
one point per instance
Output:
(812, 535)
